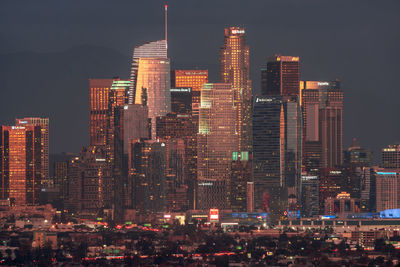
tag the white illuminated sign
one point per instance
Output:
(305, 178)
(263, 100)
(323, 83)
(237, 31)
(180, 89)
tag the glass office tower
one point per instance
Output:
(44, 128)
(281, 77)
(276, 152)
(153, 87)
(20, 164)
(235, 69)
(217, 139)
(156, 49)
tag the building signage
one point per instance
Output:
(214, 215)
(237, 31)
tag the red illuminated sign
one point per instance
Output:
(214, 215)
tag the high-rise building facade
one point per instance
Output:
(241, 175)
(331, 128)
(156, 49)
(181, 100)
(235, 69)
(276, 151)
(193, 79)
(153, 88)
(133, 119)
(391, 156)
(368, 189)
(20, 164)
(387, 189)
(147, 167)
(182, 128)
(99, 93)
(216, 141)
(90, 182)
(332, 181)
(118, 98)
(44, 128)
(177, 175)
(322, 104)
(281, 77)
(310, 195)
(61, 179)
(355, 155)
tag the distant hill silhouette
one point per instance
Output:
(56, 85)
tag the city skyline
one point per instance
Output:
(238, 133)
(323, 63)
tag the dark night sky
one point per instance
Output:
(48, 50)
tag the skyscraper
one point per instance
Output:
(156, 49)
(182, 128)
(276, 152)
(387, 189)
(235, 69)
(99, 93)
(193, 79)
(331, 182)
(44, 128)
(181, 100)
(331, 127)
(357, 156)
(90, 182)
(133, 119)
(147, 164)
(391, 156)
(61, 179)
(322, 104)
(310, 195)
(241, 175)
(281, 77)
(217, 139)
(153, 87)
(118, 98)
(20, 164)
(368, 189)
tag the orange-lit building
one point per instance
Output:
(105, 95)
(118, 98)
(153, 86)
(44, 128)
(235, 69)
(20, 168)
(99, 93)
(193, 79)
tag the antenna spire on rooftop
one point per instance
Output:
(166, 24)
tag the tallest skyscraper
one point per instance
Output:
(150, 78)
(235, 69)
